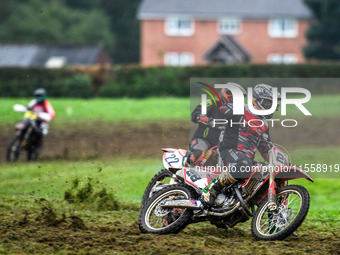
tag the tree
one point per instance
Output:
(112, 23)
(125, 26)
(323, 35)
(6, 7)
(51, 22)
(82, 4)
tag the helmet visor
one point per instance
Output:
(40, 98)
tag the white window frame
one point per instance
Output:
(277, 28)
(233, 23)
(176, 58)
(56, 62)
(173, 27)
(278, 58)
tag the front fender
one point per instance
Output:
(291, 173)
(282, 174)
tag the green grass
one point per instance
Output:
(128, 178)
(50, 180)
(127, 109)
(112, 110)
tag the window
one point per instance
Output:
(282, 58)
(176, 26)
(229, 26)
(283, 28)
(178, 59)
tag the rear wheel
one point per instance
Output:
(293, 205)
(14, 149)
(157, 220)
(163, 177)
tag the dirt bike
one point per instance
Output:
(175, 158)
(27, 134)
(280, 208)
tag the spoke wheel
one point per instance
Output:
(155, 219)
(293, 205)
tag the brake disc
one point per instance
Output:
(159, 211)
(283, 217)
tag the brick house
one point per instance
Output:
(199, 32)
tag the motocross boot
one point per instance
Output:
(216, 186)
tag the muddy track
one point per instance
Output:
(101, 139)
(117, 233)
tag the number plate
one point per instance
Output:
(280, 158)
(174, 159)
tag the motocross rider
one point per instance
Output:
(41, 104)
(205, 135)
(240, 141)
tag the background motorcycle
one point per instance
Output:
(280, 208)
(27, 134)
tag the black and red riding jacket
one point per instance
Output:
(242, 132)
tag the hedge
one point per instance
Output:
(174, 81)
(21, 82)
(136, 81)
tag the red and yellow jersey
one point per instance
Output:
(42, 107)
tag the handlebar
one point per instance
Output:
(265, 137)
(30, 114)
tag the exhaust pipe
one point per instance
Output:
(189, 204)
(209, 213)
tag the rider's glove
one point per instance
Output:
(254, 131)
(203, 118)
(206, 120)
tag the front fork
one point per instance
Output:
(272, 185)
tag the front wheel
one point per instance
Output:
(33, 152)
(155, 219)
(14, 149)
(34, 147)
(293, 205)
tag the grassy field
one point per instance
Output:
(115, 110)
(37, 218)
(92, 206)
